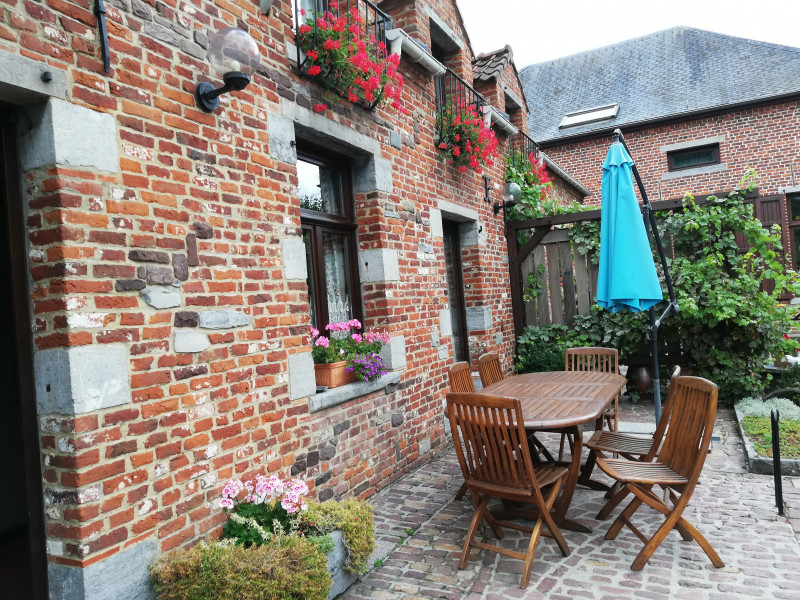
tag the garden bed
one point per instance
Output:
(758, 463)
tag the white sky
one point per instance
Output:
(539, 31)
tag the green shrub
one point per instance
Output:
(289, 569)
(541, 349)
(354, 518)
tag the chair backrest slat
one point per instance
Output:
(460, 377)
(490, 369)
(694, 407)
(601, 360)
(490, 440)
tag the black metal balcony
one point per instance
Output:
(521, 146)
(455, 97)
(352, 18)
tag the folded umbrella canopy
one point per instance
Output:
(627, 278)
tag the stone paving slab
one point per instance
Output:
(731, 507)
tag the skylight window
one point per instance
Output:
(590, 115)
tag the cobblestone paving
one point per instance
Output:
(732, 508)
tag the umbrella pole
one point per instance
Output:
(652, 229)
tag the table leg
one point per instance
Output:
(563, 501)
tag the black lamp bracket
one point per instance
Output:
(207, 95)
(486, 180)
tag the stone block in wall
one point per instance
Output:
(123, 576)
(63, 133)
(187, 318)
(479, 318)
(445, 323)
(436, 223)
(162, 297)
(73, 381)
(180, 267)
(394, 353)
(302, 381)
(21, 77)
(187, 340)
(378, 265)
(155, 256)
(224, 319)
(294, 259)
(281, 139)
(203, 231)
(372, 174)
(156, 275)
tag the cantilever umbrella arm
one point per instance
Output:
(672, 307)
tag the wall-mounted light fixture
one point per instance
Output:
(511, 195)
(486, 181)
(234, 55)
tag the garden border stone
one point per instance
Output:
(340, 578)
(762, 465)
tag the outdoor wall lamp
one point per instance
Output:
(511, 195)
(234, 55)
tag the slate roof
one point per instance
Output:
(676, 71)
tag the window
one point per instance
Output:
(690, 158)
(329, 234)
(794, 229)
(589, 115)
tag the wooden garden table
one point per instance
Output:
(561, 401)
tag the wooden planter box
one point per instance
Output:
(333, 375)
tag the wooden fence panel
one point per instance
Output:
(568, 281)
(554, 284)
(542, 303)
(582, 282)
(527, 267)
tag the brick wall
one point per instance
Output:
(766, 138)
(197, 209)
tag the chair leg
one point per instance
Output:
(551, 524)
(618, 497)
(674, 521)
(461, 491)
(526, 567)
(625, 515)
(473, 528)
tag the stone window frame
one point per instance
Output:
(674, 154)
(371, 173)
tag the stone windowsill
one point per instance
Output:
(347, 392)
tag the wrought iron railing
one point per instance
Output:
(522, 146)
(360, 17)
(454, 96)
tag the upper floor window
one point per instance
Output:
(329, 233)
(689, 158)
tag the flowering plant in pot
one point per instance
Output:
(465, 139)
(355, 354)
(344, 56)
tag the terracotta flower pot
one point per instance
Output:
(333, 374)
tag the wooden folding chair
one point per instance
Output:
(627, 446)
(680, 461)
(601, 360)
(490, 369)
(460, 377)
(492, 448)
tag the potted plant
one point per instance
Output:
(346, 355)
(344, 56)
(465, 139)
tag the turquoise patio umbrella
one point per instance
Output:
(627, 278)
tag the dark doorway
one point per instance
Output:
(23, 567)
(455, 290)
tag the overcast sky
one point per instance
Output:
(539, 31)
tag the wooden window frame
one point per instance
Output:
(453, 228)
(315, 223)
(672, 155)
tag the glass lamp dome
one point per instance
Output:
(232, 50)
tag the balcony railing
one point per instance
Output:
(522, 146)
(453, 97)
(370, 22)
